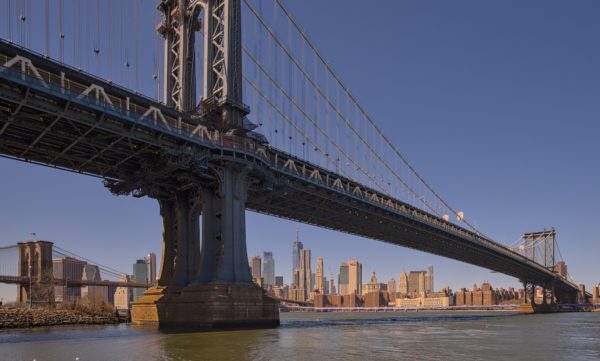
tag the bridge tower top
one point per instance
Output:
(222, 103)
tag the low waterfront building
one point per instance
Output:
(425, 302)
(487, 296)
(256, 267)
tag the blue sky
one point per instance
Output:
(497, 104)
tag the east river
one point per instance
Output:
(328, 336)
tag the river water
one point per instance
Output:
(328, 336)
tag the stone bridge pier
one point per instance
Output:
(35, 263)
(546, 303)
(550, 298)
(205, 278)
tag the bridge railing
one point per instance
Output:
(72, 82)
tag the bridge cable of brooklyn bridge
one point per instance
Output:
(83, 95)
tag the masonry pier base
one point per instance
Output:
(535, 308)
(206, 306)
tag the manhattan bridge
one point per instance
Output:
(212, 108)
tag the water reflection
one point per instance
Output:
(452, 336)
(216, 345)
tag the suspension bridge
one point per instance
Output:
(47, 274)
(251, 116)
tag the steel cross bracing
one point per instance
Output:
(142, 147)
(222, 104)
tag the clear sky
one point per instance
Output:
(497, 104)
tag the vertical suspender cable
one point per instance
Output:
(317, 111)
(110, 40)
(136, 16)
(291, 89)
(21, 20)
(77, 31)
(337, 131)
(155, 65)
(61, 32)
(88, 39)
(274, 65)
(47, 25)
(125, 32)
(304, 130)
(97, 40)
(9, 19)
(28, 4)
(257, 50)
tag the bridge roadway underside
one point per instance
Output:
(58, 129)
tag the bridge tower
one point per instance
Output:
(222, 104)
(205, 278)
(35, 263)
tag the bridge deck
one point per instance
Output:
(57, 116)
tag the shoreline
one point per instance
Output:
(13, 318)
(300, 309)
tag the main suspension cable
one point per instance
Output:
(363, 111)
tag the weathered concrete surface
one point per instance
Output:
(206, 306)
(23, 317)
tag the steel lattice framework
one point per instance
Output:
(222, 104)
(539, 247)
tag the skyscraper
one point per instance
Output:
(279, 281)
(391, 286)
(403, 283)
(350, 279)
(319, 284)
(343, 279)
(354, 277)
(305, 272)
(332, 290)
(416, 283)
(268, 269)
(429, 279)
(297, 247)
(256, 269)
(151, 262)
(140, 275)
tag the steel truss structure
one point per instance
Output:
(222, 104)
(539, 247)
